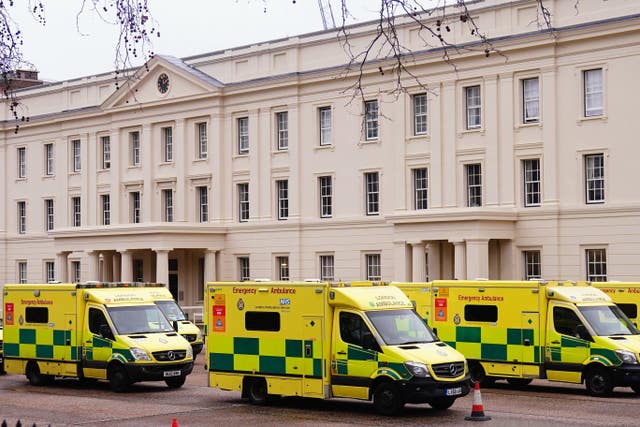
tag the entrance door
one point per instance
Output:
(530, 344)
(173, 285)
(312, 353)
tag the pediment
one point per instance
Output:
(163, 78)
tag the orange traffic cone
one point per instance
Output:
(174, 423)
(477, 411)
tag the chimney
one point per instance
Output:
(19, 79)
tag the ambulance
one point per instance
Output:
(317, 340)
(103, 331)
(626, 295)
(519, 331)
(170, 308)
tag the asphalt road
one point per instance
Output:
(70, 403)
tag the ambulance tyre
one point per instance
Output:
(387, 398)
(175, 382)
(442, 403)
(118, 378)
(34, 376)
(479, 375)
(257, 390)
(598, 382)
(519, 382)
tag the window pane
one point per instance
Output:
(243, 135)
(532, 186)
(531, 100)
(420, 114)
(282, 122)
(594, 178)
(326, 267)
(325, 125)
(372, 188)
(473, 107)
(282, 190)
(474, 185)
(371, 120)
(593, 105)
(420, 186)
(326, 194)
(373, 267)
(596, 265)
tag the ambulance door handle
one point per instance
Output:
(527, 342)
(555, 342)
(307, 350)
(342, 352)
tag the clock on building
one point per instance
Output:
(163, 83)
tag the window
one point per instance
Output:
(532, 265)
(531, 100)
(76, 212)
(203, 204)
(353, 330)
(326, 196)
(203, 146)
(326, 267)
(596, 265)
(167, 208)
(243, 135)
(282, 266)
(420, 188)
(97, 320)
(48, 159)
(325, 121)
(243, 265)
(474, 184)
(566, 321)
(22, 162)
(134, 199)
(420, 114)
(473, 106)
(372, 264)
(629, 310)
(50, 271)
(36, 314)
(48, 214)
(22, 272)
(75, 271)
(167, 144)
(531, 177)
(105, 147)
(282, 124)
(76, 160)
(138, 270)
(268, 321)
(105, 202)
(480, 313)
(134, 144)
(243, 202)
(594, 178)
(22, 217)
(372, 193)
(371, 120)
(593, 99)
(282, 190)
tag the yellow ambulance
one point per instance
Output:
(108, 331)
(315, 340)
(626, 295)
(519, 331)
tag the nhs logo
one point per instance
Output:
(285, 301)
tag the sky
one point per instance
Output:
(61, 50)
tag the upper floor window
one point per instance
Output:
(243, 267)
(282, 190)
(596, 263)
(135, 207)
(474, 184)
(373, 267)
(105, 202)
(76, 159)
(167, 205)
(531, 100)
(202, 147)
(22, 217)
(167, 144)
(593, 92)
(420, 114)
(76, 211)
(325, 124)
(243, 202)
(594, 177)
(473, 107)
(105, 149)
(532, 265)
(420, 188)
(243, 135)
(48, 214)
(203, 203)
(134, 148)
(48, 159)
(326, 268)
(371, 120)
(282, 265)
(282, 124)
(372, 193)
(531, 177)
(326, 196)
(22, 162)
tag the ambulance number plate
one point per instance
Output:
(177, 374)
(453, 391)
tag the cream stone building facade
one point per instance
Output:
(256, 162)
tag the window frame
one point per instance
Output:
(167, 205)
(49, 267)
(282, 199)
(531, 197)
(324, 130)
(420, 115)
(134, 144)
(49, 158)
(167, 144)
(202, 140)
(22, 216)
(242, 127)
(244, 268)
(371, 122)
(76, 211)
(243, 201)
(473, 200)
(596, 258)
(372, 193)
(76, 155)
(282, 267)
(587, 93)
(534, 100)
(532, 263)
(105, 202)
(325, 196)
(203, 208)
(590, 182)
(373, 264)
(420, 193)
(323, 263)
(135, 201)
(49, 212)
(282, 130)
(473, 110)
(105, 150)
(22, 270)
(22, 162)
(76, 269)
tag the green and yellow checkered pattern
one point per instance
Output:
(370, 361)
(34, 343)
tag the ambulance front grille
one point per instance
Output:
(170, 355)
(448, 370)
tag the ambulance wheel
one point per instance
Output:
(479, 375)
(387, 399)
(257, 391)
(118, 379)
(175, 382)
(519, 382)
(442, 403)
(598, 382)
(34, 376)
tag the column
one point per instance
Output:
(116, 267)
(162, 266)
(62, 267)
(401, 262)
(478, 258)
(93, 258)
(209, 266)
(107, 267)
(126, 266)
(434, 260)
(508, 261)
(459, 259)
(418, 268)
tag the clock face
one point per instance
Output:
(163, 83)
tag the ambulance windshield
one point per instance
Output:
(607, 320)
(171, 309)
(140, 319)
(398, 327)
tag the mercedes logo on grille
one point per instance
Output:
(172, 356)
(452, 369)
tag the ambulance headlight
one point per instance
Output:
(139, 354)
(189, 351)
(417, 369)
(627, 357)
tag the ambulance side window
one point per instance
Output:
(36, 314)
(98, 324)
(630, 310)
(566, 322)
(353, 330)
